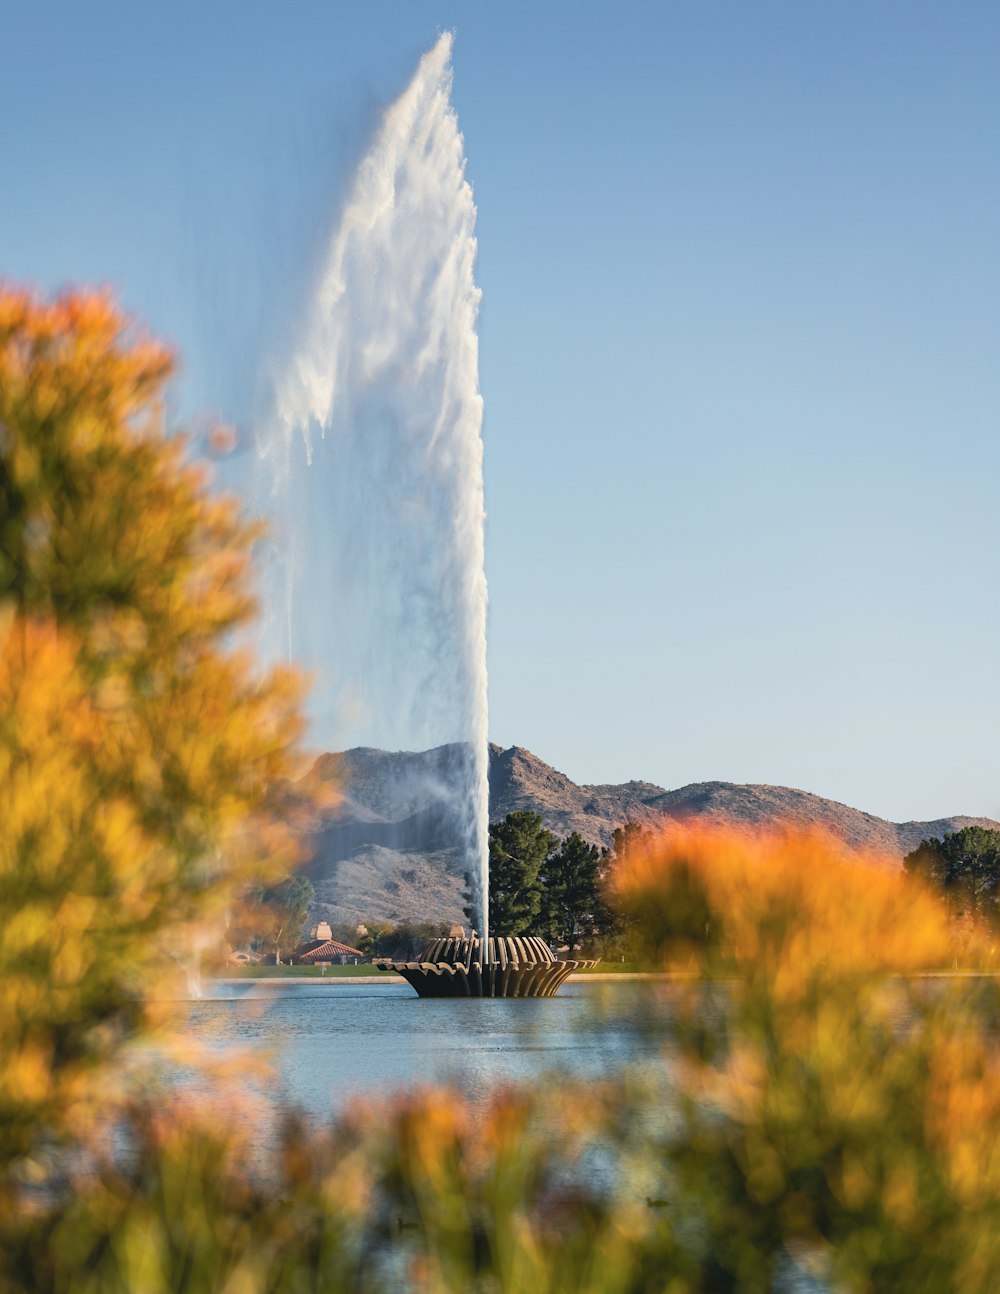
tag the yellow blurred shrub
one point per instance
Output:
(138, 751)
(817, 1109)
(837, 1101)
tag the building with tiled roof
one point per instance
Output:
(319, 951)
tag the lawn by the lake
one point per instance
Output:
(367, 969)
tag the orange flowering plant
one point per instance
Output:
(138, 751)
(819, 1108)
(837, 1095)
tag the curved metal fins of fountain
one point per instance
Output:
(514, 967)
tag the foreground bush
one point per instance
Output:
(138, 750)
(814, 1111)
(838, 1108)
(818, 1107)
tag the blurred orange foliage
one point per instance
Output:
(817, 1109)
(787, 904)
(139, 753)
(841, 1107)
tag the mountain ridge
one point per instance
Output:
(391, 850)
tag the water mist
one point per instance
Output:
(374, 461)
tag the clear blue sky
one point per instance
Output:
(739, 338)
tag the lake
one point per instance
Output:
(329, 1042)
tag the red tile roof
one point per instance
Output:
(324, 950)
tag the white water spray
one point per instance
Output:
(375, 460)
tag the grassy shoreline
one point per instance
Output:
(610, 971)
(368, 971)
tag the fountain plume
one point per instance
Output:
(374, 460)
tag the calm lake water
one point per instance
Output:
(329, 1042)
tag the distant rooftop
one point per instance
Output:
(324, 950)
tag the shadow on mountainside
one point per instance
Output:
(392, 848)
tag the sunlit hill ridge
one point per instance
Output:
(390, 849)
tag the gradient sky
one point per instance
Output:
(739, 338)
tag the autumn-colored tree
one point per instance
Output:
(835, 1111)
(815, 1115)
(138, 749)
(620, 939)
(820, 1115)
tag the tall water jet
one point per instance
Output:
(374, 459)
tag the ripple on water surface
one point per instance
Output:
(331, 1043)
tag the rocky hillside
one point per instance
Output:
(390, 850)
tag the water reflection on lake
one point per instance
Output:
(331, 1042)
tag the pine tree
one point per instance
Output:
(572, 907)
(519, 847)
(965, 865)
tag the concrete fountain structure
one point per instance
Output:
(506, 967)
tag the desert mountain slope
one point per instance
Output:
(391, 850)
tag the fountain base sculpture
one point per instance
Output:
(513, 967)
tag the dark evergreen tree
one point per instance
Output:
(572, 906)
(519, 847)
(632, 835)
(537, 888)
(406, 941)
(965, 865)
